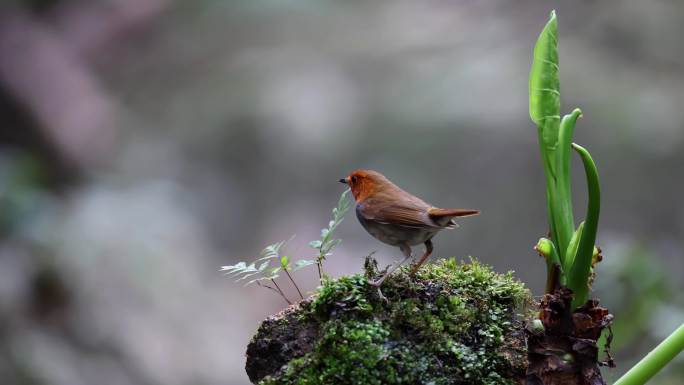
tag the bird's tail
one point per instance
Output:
(445, 217)
(439, 213)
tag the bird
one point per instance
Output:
(398, 218)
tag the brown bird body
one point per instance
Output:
(396, 217)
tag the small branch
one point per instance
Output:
(271, 288)
(294, 283)
(655, 360)
(319, 264)
(266, 286)
(281, 292)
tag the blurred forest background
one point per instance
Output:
(145, 143)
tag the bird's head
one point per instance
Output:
(364, 183)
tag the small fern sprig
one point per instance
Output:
(327, 243)
(260, 271)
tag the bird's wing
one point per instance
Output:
(400, 213)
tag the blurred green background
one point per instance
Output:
(145, 143)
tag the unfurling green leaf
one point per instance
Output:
(544, 82)
(563, 218)
(572, 247)
(578, 279)
(544, 89)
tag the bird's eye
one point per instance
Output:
(353, 179)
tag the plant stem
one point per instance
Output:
(655, 360)
(281, 292)
(294, 283)
(319, 264)
(553, 274)
(272, 288)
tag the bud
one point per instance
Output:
(544, 247)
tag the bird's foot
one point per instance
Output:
(414, 269)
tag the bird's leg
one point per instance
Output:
(428, 251)
(407, 255)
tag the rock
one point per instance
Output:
(453, 323)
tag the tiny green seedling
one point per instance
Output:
(262, 273)
(327, 243)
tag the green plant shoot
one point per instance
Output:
(261, 272)
(569, 256)
(327, 243)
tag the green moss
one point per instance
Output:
(452, 323)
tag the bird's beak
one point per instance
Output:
(343, 180)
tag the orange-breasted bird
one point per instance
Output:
(396, 217)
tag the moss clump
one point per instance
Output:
(452, 323)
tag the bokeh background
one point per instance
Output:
(145, 143)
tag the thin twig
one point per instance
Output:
(271, 288)
(266, 286)
(294, 283)
(281, 291)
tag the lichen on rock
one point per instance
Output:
(452, 323)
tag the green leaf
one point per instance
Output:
(578, 279)
(572, 247)
(274, 272)
(544, 90)
(315, 244)
(327, 243)
(563, 218)
(273, 251)
(251, 281)
(264, 265)
(302, 263)
(249, 271)
(230, 269)
(328, 246)
(545, 84)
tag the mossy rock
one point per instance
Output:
(452, 323)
